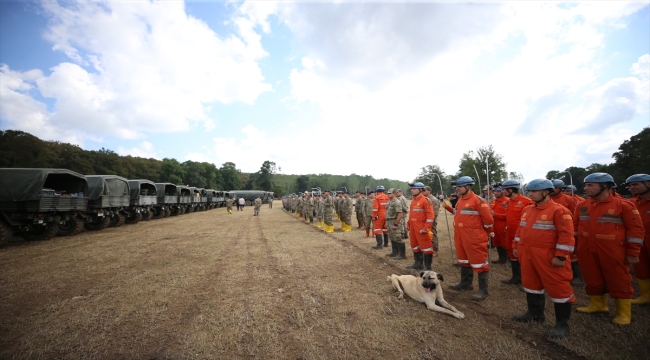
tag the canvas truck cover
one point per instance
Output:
(28, 184)
(100, 185)
(142, 185)
(167, 189)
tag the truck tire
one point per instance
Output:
(147, 215)
(71, 227)
(134, 220)
(98, 224)
(159, 213)
(42, 232)
(117, 220)
(168, 212)
(6, 233)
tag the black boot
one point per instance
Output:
(577, 275)
(516, 274)
(503, 256)
(401, 248)
(385, 240)
(395, 252)
(562, 316)
(466, 278)
(379, 245)
(482, 292)
(417, 264)
(427, 261)
(535, 313)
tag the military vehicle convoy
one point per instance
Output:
(250, 195)
(38, 204)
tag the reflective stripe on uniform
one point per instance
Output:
(430, 220)
(463, 261)
(544, 227)
(561, 300)
(635, 240)
(487, 226)
(476, 266)
(523, 223)
(564, 247)
(419, 210)
(585, 217)
(514, 259)
(610, 220)
(469, 212)
(416, 248)
(428, 249)
(534, 291)
(517, 238)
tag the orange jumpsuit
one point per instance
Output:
(421, 217)
(513, 218)
(607, 231)
(642, 269)
(472, 219)
(499, 206)
(379, 209)
(566, 201)
(546, 231)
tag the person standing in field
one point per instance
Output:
(335, 200)
(328, 206)
(405, 211)
(379, 217)
(639, 186)
(570, 203)
(258, 204)
(229, 205)
(345, 207)
(358, 209)
(516, 205)
(300, 205)
(435, 203)
(318, 204)
(309, 208)
(367, 212)
(394, 217)
(241, 202)
(271, 202)
(498, 208)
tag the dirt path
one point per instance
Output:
(212, 285)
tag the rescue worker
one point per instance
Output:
(498, 208)
(367, 212)
(435, 204)
(328, 205)
(546, 228)
(516, 205)
(560, 198)
(358, 209)
(257, 203)
(379, 217)
(229, 205)
(394, 216)
(345, 208)
(572, 191)
(639, 186)
(610, 236)
(419, 226)
(472, 225)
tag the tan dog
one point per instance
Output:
(425, 289)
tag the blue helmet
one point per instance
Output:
(417, 185)
(463, 181)
(380, 188)
(558, 183)
(571, 188)
(637, 178)
(599, 178)
(540, 184)
(497, 188)
(511, 184)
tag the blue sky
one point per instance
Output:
(374, 88)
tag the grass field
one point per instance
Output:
(210, 285)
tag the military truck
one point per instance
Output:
(108, 196)
(202, 198)
(249, 195)
(33, 202)
(212, 198)
(184, 199)
(167, 200)
(143, 197)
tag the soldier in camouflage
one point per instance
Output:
(328, 205)
(358, 209)
(258, 204)
(299, 206)
(345, 208)
(309, 208)
(394, 215)
(318, 208)
(405, 210)
(229, 205)
(367, 212)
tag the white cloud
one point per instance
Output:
(144, 150)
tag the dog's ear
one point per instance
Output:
(440, 277)
(421, 273)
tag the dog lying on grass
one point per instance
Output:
(425, 289)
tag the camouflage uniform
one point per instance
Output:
(358, 209)
(434, 228)
(345, 208)
(393, 208)
(257, 203)
(405, 211)
(299, 206)
(309, 209)
(328, 205)
(294, 204)
(367, 213)
(229, 205)
(336, 206)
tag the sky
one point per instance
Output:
(373, 88)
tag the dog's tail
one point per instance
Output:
(389, 278)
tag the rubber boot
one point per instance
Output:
(466, 278)
(535, 311)
(319, 224)
(379, 242)
(644, 289)
(503, 256)
(417, 263)
(311, 220)
(623, 311)
(367, 233)
(577, 275)
(427, 262)
(395, 252)
(401, 251)
(329, 228)
(516, 274)
(562, 316)
(597, 304)
(482, 292)
(385, 240)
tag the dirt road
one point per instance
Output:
(210, 285)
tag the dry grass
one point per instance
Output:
(212, 285)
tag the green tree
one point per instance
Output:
(632, 157)
(230, 177)
(427, 177)
(264, 178)
(302, 183)
(474, 161)
(171, 171)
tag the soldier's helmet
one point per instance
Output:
(463, 181)
(417, 185)
(540, 184)
(599, 178)
(637, 178)
(558, 183)
(380, 188)
(511, 184)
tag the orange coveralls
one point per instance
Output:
(499, 206)
(379, 209)
(607, 231)
(642, 269)
(421, 217)
(546, 231)
(513, 218)
(471, 221)
(566, 201)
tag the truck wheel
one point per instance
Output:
(158, 213)
(42, 232)
(117, 220)
(147, 215)
(168, 212)
(98, 224)
(6, 233)
(71, 227)
(134, 220)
